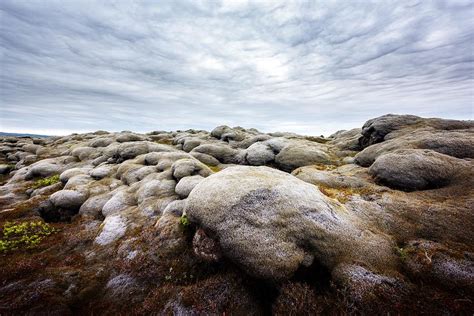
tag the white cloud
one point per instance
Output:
(305, 66)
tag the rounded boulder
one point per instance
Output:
(271, 223)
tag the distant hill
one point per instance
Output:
(23, 135)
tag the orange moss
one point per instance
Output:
(165, 141)
(324, 167)
(343, 195)
(214, 168)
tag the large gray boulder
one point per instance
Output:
(418, 169)
(301, 154)
(220, 130)
(187, 184)
(375, 130)
(85, 153)
(70, 173)
(205, 159)
(102, 171)
(130, 150)
(227, 134)
(456, 143)
(114, 227)
(346, 140)
(271, 223)
(221, 152)
(43, 170)
(259, 154)
(156, 188)
(68, 199)
(101, 142)
(191, 143)
(188, 167)
(120, 201)
(93, 205)
(130, 137)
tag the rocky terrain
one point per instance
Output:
(374, 220)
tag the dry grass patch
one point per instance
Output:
(323, 167)
(165, 141)
(343, 195)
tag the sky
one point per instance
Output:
(310, 67)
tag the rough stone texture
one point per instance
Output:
(271, 223)
(93, 206)
(85, 153)
(114, 227)
(365, 288)
(69, 173)
(456, 143)
(221, 152)
(205, 247)
(205, 159)
(101, 142)
(190, 144)
(189, 167)
(119, 202)
(50, 189)
(175, 208)
(187, 184)
(346, 140)
(299, 155)
(102, 171)
(129, 137)
(375, 130)
(416, 169)
(259, 154)
(156, 188)
(389, 126)
(68, 199)
(43, 170)
(434, 262)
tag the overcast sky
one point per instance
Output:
(310, 67)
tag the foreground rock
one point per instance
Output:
(416, 169)
(271, 223)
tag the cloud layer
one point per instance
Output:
(310, 67)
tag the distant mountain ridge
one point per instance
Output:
(23, 135)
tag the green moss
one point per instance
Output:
(403, 253)
(24, 235)
(46, 182)
(184, 221)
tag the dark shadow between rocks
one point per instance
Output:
(316, 275)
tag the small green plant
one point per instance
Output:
(184, 221)
(25, 235)
(403, 253)
(46, 182)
